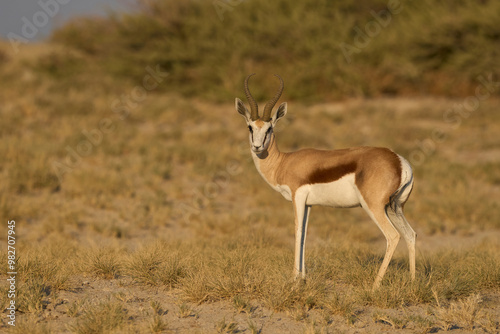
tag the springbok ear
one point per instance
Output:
(281, 112)
(241, 109)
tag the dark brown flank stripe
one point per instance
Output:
(327, 175)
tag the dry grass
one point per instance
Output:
(171, 205)
(156, 265)
(225, 327)
(461, 313)
(32, 324)
(102, 263)
(103, 317)
(157, 324)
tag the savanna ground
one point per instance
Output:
(141, 211)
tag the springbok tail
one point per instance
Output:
(401, 195)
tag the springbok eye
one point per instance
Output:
(250, 128)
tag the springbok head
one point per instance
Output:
(261, 128)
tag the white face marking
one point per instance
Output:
(260, 135)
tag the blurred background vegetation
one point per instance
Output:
(426, 47)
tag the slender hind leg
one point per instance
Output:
(378, 215)
(398, 219)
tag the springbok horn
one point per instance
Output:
(266, 117)
(254, 108)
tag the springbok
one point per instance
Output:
(375, 178)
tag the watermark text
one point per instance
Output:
(11, 273)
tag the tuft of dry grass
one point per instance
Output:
(186, 311)
(225, 327)
(100, 317)
(41, 276)
(242, 304)
(103, 263)
(156, 265)
(76, 307)
(31, 324)
(341, 304)
(157, 308)
(463, 313)
(253, 328)
(157, 324)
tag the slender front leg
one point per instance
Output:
(301, 218)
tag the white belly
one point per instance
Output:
(340, 193)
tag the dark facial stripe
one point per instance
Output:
(265, 137)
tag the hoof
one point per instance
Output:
(299, 278)
(375, 286)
